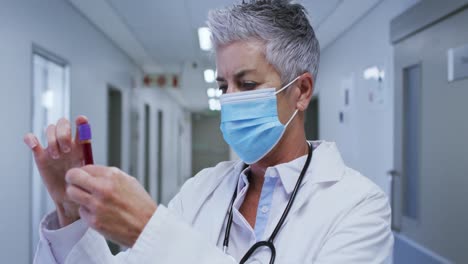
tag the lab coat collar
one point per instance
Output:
(326, 166)
(243, 180)
(220, 173)
(226, 177)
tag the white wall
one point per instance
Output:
(95, 62)
(175, 169)
(194, 86)
(366, 138)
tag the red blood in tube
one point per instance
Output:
(88, 153)
(84, 131)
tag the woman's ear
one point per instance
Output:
(306, 88)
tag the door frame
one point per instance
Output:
(419, 17)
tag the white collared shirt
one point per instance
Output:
(276, 191)
(338, 216)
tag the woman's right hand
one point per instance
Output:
(53, 162)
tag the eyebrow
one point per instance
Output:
(237, 75)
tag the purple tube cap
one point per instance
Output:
(84, 132)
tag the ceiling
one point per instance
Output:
(165, 32)
(168, 29)
(162, 35)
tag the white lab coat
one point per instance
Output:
(338, 216)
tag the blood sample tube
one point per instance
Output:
(84, 131)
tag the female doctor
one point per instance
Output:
(286, 200)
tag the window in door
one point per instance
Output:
(411, 140)
(51, 101)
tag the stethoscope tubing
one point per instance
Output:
(269, 242)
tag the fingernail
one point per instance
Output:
(66, 149)
(30, 142)
(55, 155)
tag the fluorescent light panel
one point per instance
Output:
(204, 38)
(211, 92)
(209, 75)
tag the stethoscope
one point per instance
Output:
(268, 243)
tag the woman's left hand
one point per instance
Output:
(111, 202)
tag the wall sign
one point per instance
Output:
(161, 80)
(457, 63)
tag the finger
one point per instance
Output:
(78, 195)
(82, 179)
(85, 214)
(63, 133)
(52, 146)
(79, 121)
(100, 171)
(33, 143)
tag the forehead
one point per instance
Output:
(240, 55)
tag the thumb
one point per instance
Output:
(31, 141)
(100, 171)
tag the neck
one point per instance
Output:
(292, 145)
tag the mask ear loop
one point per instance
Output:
(280, 90)
(287, 85)
(292, 117)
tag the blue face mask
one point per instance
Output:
(250, 124)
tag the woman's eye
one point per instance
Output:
(249, 85)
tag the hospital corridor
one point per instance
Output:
(234, 131)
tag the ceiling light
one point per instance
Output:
(209, 75)
(212, 101)
(204, 38)
(211, 92)
(214, 104)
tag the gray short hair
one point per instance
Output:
(290, 42)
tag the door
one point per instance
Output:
(431, 152)
(51, 101)
(312, 120)
(114, 137)
(114, 129)
(152, 184)
(147, 144)
(208, 145)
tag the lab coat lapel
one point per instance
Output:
(326, 166)
(221, 201)
(220, 190)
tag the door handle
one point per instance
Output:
(394, 173)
